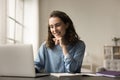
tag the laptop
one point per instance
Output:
(18, 60)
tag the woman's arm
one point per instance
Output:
(39, 60)
(73, 63)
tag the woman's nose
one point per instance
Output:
(54, 28)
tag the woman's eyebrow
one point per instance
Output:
(55, 24)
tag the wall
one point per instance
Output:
(96, 22)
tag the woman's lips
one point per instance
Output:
(57, 34)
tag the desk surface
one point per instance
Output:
(61, 78)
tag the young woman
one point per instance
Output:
(63, 51)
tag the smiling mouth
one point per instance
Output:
(57, 34)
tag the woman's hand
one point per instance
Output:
(60, 41)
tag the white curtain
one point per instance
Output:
(3, 21)
(31, 22)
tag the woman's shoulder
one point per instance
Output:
(43, 44)
(81, 43)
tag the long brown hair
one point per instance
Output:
(70, 37)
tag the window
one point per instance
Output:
(15, 21)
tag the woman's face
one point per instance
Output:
(57, 27)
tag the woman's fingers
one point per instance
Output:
(56, 40)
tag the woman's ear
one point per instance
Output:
(67, 25)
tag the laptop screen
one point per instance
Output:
(17, 60)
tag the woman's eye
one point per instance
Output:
(51, 26)
(55, 25)
(58, 24)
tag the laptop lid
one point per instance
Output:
(17, 60)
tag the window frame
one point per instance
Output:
(16, 34)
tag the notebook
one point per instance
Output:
(109, 73)
(18, 60)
